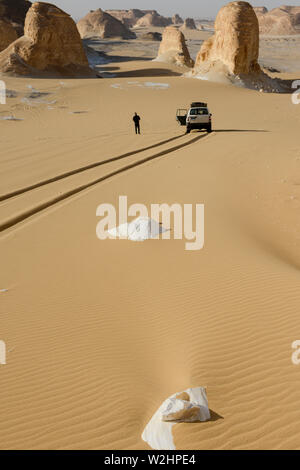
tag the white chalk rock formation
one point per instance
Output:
(8, 34)
(231, 54)
(128, 17)
(151, 36)
(14, 11)
(173, 48)
(260, 10)
(51, 44)
(235, 44)
(188, 406)
(100, 24)
(176, 19)
(153, 19)
(281, 21)
(189, 23)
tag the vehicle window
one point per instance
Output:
(199, 111)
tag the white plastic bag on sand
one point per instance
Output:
(188, 406)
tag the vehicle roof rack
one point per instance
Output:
(198, 104)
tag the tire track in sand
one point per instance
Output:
(15, 219)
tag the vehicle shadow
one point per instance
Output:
(240, 130)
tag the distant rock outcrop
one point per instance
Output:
(51, 45)
(8, 34)
(235, 44)
(177, 19)
(12, 19)
(14, 10)
(153, 19)
(151, 36)
(173, 48)
(189, 24)
(128, 17)
(282, 21)
(99, 23)
(259, 10)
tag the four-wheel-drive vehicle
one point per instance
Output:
(197, 117)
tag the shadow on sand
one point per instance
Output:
(213, 417)
(219, 131)
(240, 130)
(147, 73)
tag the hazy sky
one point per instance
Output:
(194, 8)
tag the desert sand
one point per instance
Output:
(100, 333)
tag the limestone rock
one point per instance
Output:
(279, 21)
(260, 10)
(14, 10)
(188, 406)
(128, 17)
(99, 23)
(51, 45)
(181, 409)
(151, 36)
(8, 34)
(12, 18)
(189, 24)
(173, 48)
(153, 19)
(235, 44)
(177, 19)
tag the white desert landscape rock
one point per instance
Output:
(189, 23)
(153, 19)
(185, 407)
(100, 24)
(8, 34)
(235, 43)
(51, 44)
(232, 52)
(282, 21)
(128, 17)
(176, 19)
(173, 48)
(14, 11)
(12, 19)
(151, 36)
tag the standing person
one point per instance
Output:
(136, 120)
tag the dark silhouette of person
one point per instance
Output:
(136, 120)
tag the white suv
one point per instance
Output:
(198, 117)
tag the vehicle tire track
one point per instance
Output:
(20, 191)
(14, 220)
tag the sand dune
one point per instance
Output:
(100, 333)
